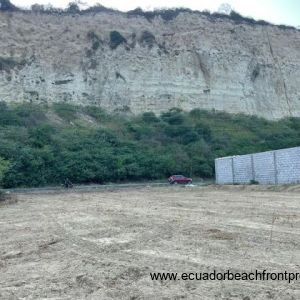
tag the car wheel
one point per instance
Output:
(175, 182)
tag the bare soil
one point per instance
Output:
(103, 245)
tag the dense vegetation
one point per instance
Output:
(42, 145)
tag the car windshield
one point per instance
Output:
(178, 176)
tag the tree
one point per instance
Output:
(4, 166)
(73, 8)
(37, 7)
(6, 5)
(116, 39)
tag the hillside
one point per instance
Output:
(136, 62)
(42, 145)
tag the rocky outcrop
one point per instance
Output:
(133, 64)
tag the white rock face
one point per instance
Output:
(189, 62)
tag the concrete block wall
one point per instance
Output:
(288, 165)
(242, 167)
(264, 167)
(225, 171)
(271, 167)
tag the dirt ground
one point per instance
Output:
(103, 245)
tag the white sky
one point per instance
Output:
(276, 11)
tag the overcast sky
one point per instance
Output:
(276, 11)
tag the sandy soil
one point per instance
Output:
(104, 245)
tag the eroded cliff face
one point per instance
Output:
(131, 64)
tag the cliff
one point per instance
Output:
(130, 63)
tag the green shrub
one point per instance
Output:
(4, 166)
(173, 117)
(116, 39)
(6, 5)
(37, 8)
(150, 117)
(30, 115)
(65, 111)
(148, 39)
(96, 112)
(73, 8)
(96, 41)
(8, 63)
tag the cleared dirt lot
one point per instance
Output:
(104, 245)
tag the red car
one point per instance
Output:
(179, 179)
